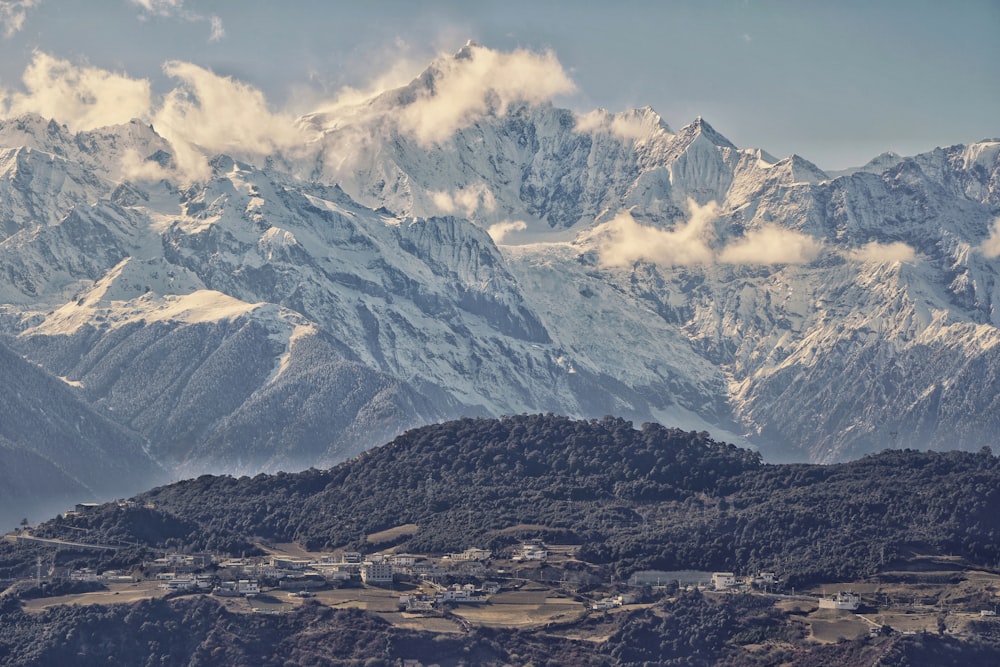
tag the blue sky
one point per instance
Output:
(835, 82)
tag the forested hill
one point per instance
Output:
(632, 498)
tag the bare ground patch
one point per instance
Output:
(393, 534)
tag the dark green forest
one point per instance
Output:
(631, 498)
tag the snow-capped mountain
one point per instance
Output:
(295, 309)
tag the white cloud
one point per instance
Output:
(627, 125)
(400, 71)
(772, 244)
(13, 13)
(500, 230)
(593, 121)
(218, 31)
(466, 201)
(479, 81)
(622, 241)
(159, 7)
(204, 114)
(208, 113)
(134, 167)
(885, 253)
(176, 9)
(991, 246)
(83, 98)
(220, 113)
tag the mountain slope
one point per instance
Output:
(56, 450)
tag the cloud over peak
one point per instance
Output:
(82, 97)
(476, 82)
(203, 114)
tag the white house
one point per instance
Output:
(723, 580)
(848, 601)
(247, 587)
(607, 603)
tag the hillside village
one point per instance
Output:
(443, 585)
(426, 582)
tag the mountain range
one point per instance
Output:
(292, 307)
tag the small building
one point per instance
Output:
(473, 553)
(987, 612)
(179, 584)
(287, 563)
(226, 589)
(416, 603)
(376, 573)
(723, 580)
(531, 551)
(458, 593)
(843, 600)
(86, 507)
(606, 603)
(403, 560)
(248, 587)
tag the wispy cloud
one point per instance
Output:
(772, 244)
(218, 32)
(176, 9)
(991, 246)
(465, 200)
(500, 230)
(623, 241)
(883, 253)
(13, 13)
(629, 125)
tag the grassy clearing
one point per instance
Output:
(116, 593)
(392, 534)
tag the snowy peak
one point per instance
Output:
(795, 169)
(700, 129)
(33, 131)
